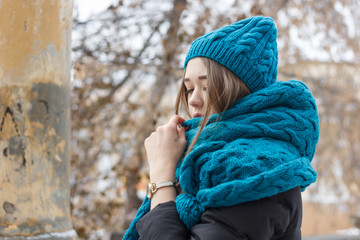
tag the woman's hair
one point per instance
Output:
(224, 89)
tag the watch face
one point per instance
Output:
(148, 190)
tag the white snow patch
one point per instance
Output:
(348, 18)
(87, 9)
(324, 194)
(156, 6)
(65, 235)
(309, 48)
(83, 134)
(141, 194)
(104, 163)
(119, 75)
(349, 232)
(295, 13)
(283, 19)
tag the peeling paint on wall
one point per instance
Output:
(9, 207)
(35, 158)
(34, 117)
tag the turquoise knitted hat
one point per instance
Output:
(248, 48)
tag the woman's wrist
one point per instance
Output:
(156, 177)
(163, 195)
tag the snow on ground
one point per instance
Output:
(349, 232)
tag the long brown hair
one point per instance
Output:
(224, 89)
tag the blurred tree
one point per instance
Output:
(120, 82)
(128, 63)
(337, 92)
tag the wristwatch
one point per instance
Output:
(153, 187)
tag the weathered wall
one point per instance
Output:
(35, 39)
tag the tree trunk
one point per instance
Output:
(35, 38)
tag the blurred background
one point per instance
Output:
(128, 60)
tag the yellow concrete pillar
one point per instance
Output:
(35, 38)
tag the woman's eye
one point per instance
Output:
(188, 91)
(204, 88)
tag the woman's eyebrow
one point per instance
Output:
(202, 77)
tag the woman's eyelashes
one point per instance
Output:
(190, 90)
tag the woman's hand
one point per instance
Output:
(164, 149)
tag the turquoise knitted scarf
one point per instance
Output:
(260, 147)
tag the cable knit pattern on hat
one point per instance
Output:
(260, 147)
(248, 48)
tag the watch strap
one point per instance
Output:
(165, 184)
(153, 187)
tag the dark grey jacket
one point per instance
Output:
(276, 217)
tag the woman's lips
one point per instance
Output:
(197, 115)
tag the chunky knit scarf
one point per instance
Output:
(260, 147)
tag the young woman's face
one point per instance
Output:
(195, 81)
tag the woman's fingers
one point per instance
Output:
(174, 124)
(176, 120)
(166, 132)
(164, 148)
(181, 133)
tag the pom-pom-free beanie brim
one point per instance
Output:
(248, 48)
(260, 147)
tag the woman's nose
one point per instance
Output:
(196, 99)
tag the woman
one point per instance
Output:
(243, 157)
